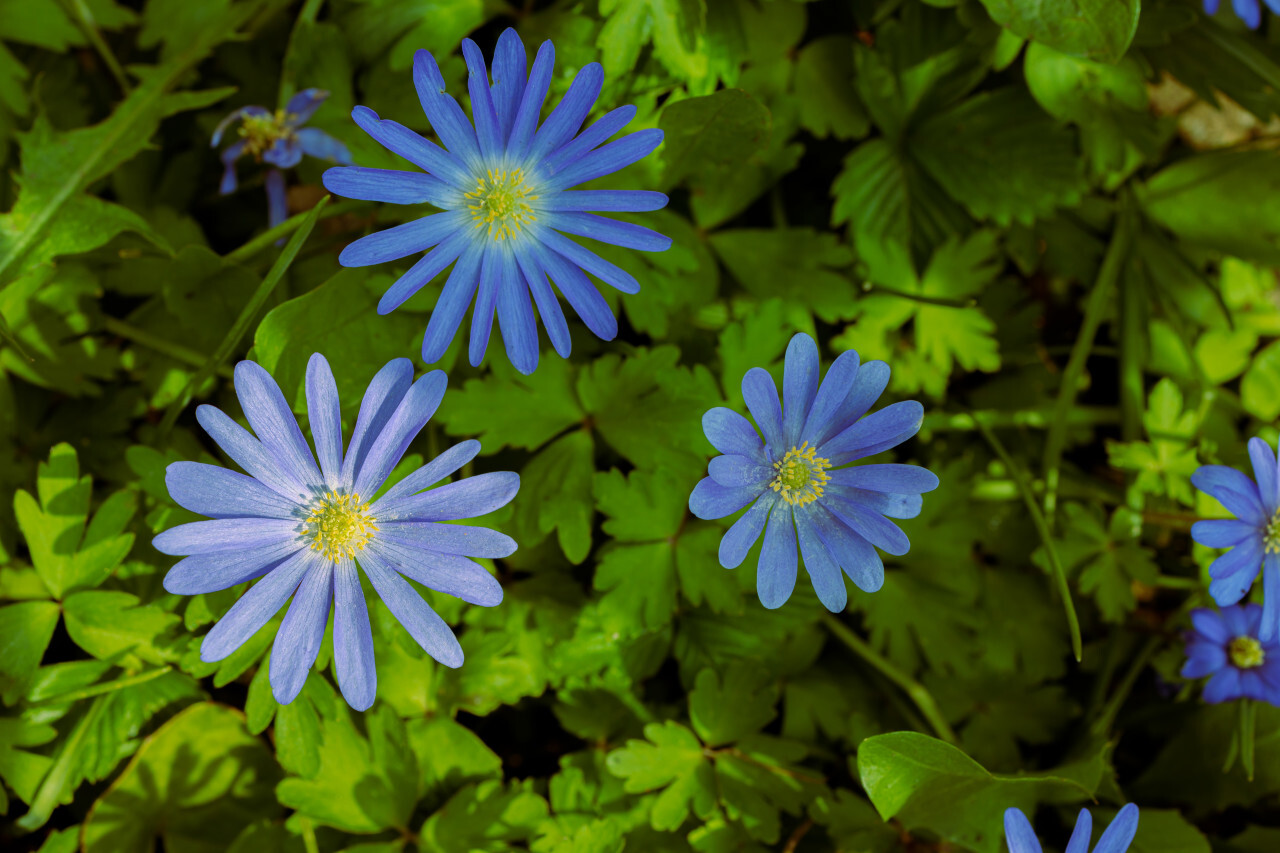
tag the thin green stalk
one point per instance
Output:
(1046, 536)
(289, 72)
(1028, 418)
(83, 17)
(1133, 335)
(1247, 726)
(923, 698)
(64, 760)
(868, 287)
(268, 238)
(160, 345)
(11, 338)
(105, 687)
(1095, 308)
(247, 317)
(1108, 716)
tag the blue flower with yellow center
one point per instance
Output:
(280, 139)
(1119, 835)
(504, 189)
(308, 529)
(1225, 646)
(796, 481)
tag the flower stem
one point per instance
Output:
(157, 343)
(1046, 537)
(1028, 418)
(868, 287)
(268, 238)
(105, 687)
(923, 698)
(83, 18)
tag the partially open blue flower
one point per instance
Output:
(1253, 536)
(280, 139)
(796, 482)
(504, 189)
(304, 528)
(1119, 835)
(1225, 646)
(1246, 10)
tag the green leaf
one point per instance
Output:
(556, 495)
(193, 784)
(928, 784)
(729, 708)
(670, 758)
(22, 769)
(802, 266)
(829, 103)
(485, 816)
(107, 622)
(506, 409)
(1099, 29)
(25, 631)
(1260, 387)
(449, 756)
(1163, 831)
(673, 25)
(707, 137)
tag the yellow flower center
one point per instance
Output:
(1246, 652)
(1271, 539)
(261, 132)
(339, 525)
(500, 202)
(800, 475)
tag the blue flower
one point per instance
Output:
(304, 528)
(794, 481)
(1119, 835)
(280, 139)
(1246, 10)
(1253, 535)
(503, 187)
(1225, 645)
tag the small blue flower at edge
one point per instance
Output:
(279, 139)
(504, 189)
(1119, 835)
(1225, 645)
(1246, 10)
(1253, 536)
(304, 528)
(794, 481)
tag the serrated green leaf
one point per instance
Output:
(671, 759)
(708, 136)
(25, 631)
(1101, 29)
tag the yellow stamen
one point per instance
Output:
(500, 202)
(261, 132)
(1246, 652)
(339, 525)
(800, 475)
(1271, 539)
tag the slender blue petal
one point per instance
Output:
(889, 477)
(417, 407)
(610, 274)
(535, 93)
(1270, 627)
(731, 433)
(1120, 833)
(1082, 834)
(1210, 625)
(303, 105)
(569, 114)
(314, 142)
(352, 639)
(607, 159)
(711, 500)
(452, 305)
(611, 201)
(871, 380)
(211, 572)
(256, 607)
(229, 157)
(225, 534)
(820, 423)
(423, 624)
(424, 270)
(744, 532)
(486, 303)
(548, 306)
(448, 538)
(777, 569)
(872, 526)
(799, 386)
(277, 198)
(1248, 11)
(488, 127)
(1019, 834)
(887, 428)
(381, 398)
(325, 415)
(233, 116)
(283, 153)
(446, 117)
(450, 574)
(855, 555)
(403, 240)
(595, 135)
(273, 422)
(761, 397)
(1264, 472)
(515, 317)
(733, 471)
(886, 503)
(220, 493)
(1208, 658)
(1223, 687)
(1223, 532)
(390, 186)
(247, 452)
(297, 643)
(580, 293)
(422, 153)
(509, 64)
(427, 476)
(1233, 490)
(824, 571)
(611, 231)
(474, 496)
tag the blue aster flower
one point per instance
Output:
(1246, 10)
(1225, 646)
(1253, 536)
(1119, 835)
(796, 482)
(280, 139)
(503, 187)
(305, 528)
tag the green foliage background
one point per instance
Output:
(1064, 253)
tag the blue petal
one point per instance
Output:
(711, 500)
(733, 471)
(422, 153)
(488, 128)
(613, 201)
(284, 153)
(303, 105)
(424, 269)
(824, 571)
(277, 198)
(201, 573)
(509, 64)
(580, 293)
(1210, 7)
(423, 624)
(1270, 627)
(888, 477)
(1120, 833)
(871, 380)
(535, 92)
(219, 493)
(1264, 472)
(799, 386)
(1252, 685)
(297, 643)
(225, 534)
(761, 396)
(872, 526)
(417, 407)
(486, 301)
(744, 532)
(1222, 532)
(778, 566)
(731, 433)
(450, 574)
(820, 423)
(448, 538)
(588, 260)
(1248, 11)
(887, 504)
(1209, 624)
(606, 160)
(453, 303)
(256, 607)
(381, 398)
(325, 415)
(515, 317)
(623, 234)
(1233, 490)
(855, 555)
(273, 422)
(1019, 834)
(887, 428)
(247, 452)
(389, 185)
(548, 306)
(426, 476)
(1205, 659)
(1234, 571)
(352, 639)
(1223, 687)
(596, 134)
(316, 143)
(229, 157)
(403, 240)
(474, 496)
(446, 117)
(569, 114)
(1083, 833)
